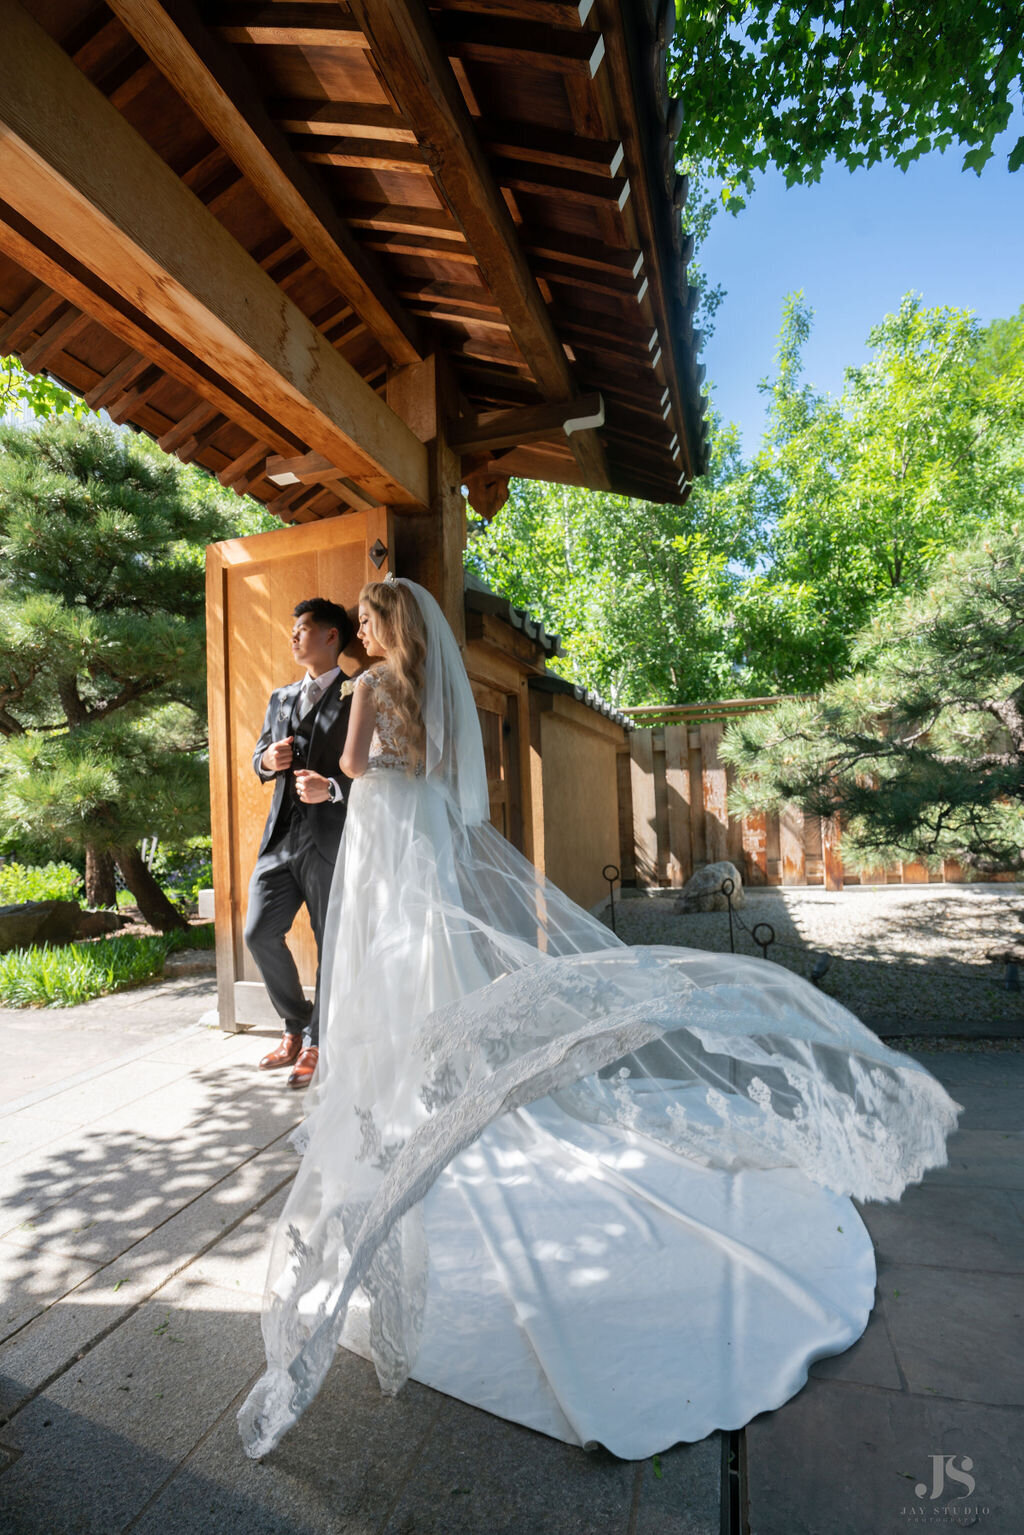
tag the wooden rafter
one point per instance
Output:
(158, 247)
(225, 100)
(517, 44)
(357, 119)
(511, 428)
(313, 26)
(426, 92)
(573, 186)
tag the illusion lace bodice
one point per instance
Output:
(385, 747)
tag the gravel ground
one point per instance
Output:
(911, 961)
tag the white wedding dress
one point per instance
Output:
(598, 1190)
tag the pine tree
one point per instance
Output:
(102, 675)
(921, 749)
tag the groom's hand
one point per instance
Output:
(311, 787)
(277, 756)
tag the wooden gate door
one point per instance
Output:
(252, 585)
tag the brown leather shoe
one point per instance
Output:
(286, 1053)
(302, 1072)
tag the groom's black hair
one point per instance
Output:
(329, 615)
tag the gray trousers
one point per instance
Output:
(289, 874)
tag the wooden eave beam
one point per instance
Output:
(554, 13)
(362, 154)
(584, 253)
(619, 84)
(540, 146)
(221, 94)
(515, 44)
(426, 92)
(356, 119)
(404, 219)
(298, 26)
(510, 429)
(92, 200)
(555, 181)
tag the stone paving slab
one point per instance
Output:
(951, 1227)
(127, 1369)
(988, 1086)
(848, 1460)
(870, 1362)
(51, 1044)
(957, 1335)
(940, 1369)
(111, 1294)
(983, 1159)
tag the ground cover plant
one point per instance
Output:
(62, 976)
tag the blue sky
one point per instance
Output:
(855, 243)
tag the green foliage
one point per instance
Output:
(793, 86)
(184, 870)
(852, 498)
(45, 976)
(761, 582)
(102, 639)
(612, 577)
(52, 882)
(34, 393)
(921, 749)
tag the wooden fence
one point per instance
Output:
(673, 816)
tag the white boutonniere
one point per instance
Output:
(347, 688)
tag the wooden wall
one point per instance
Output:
(574, 752)
(673, 817)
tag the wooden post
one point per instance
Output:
(791, 845)
(831, 857)
(755, 847)
(226, 897)
(698, 819)
(716, 814)
(645, 827)
(429, 546)
(677, 784)
(627, 855)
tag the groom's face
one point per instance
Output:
(314, 647)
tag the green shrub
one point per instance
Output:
(184, 870)
(45, 976)
(48, 882)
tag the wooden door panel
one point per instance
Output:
(253, 585)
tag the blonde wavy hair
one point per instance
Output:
(399, 628)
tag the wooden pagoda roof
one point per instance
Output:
(236, 225)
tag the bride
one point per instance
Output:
(601, 1191)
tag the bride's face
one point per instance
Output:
(368, 635)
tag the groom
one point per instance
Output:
(303, 736)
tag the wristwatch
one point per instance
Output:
(332, 791)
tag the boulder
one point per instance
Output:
(33, 922)
(94, 924)
(704, 891)
(190, 962)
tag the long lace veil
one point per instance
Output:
(454, 749)
(459, 985)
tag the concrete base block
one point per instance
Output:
(253, 1008)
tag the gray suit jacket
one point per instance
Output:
(327, 741)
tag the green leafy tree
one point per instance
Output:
(795, 85)
(611, 577)
(102, 706)
(852, 498)
(34, 393)
(921, 749)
